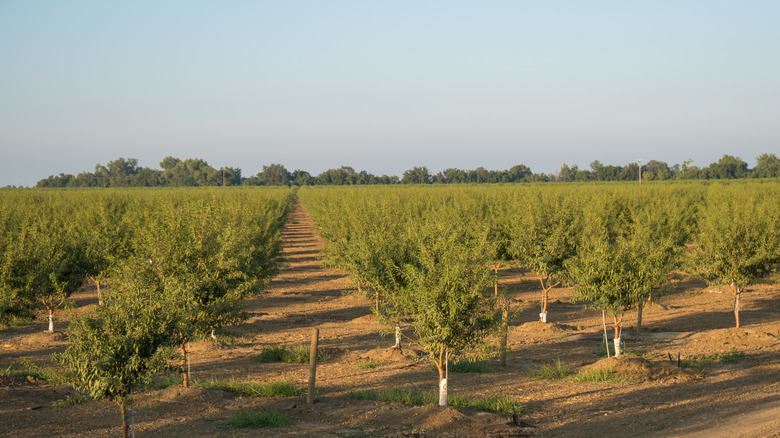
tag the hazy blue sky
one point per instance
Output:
(385, 85)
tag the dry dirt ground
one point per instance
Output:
(739, 398)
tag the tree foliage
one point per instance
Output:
(738, 242)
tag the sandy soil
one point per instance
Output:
(735, 399)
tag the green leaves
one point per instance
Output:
(626, 252)
(447, 297)
(125, 345)
(739, 242)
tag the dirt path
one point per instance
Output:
(736, 398)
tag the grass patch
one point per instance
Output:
(602, 375)
(277, 388)
(397, 395)
(295, 354)
(706, 360)
(257, 420)
(550, 372)
(731, 356)
(623, 350)
(71, 400)
(470, 366)
(368, 364)
(488, 404)
(695, 363)
(272, 354)
(166, 381)
(38, 372)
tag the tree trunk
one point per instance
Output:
(185, 374)
(639, 308)
(441, 365)
(604, 323)
(546, 286)
(397, 337)
(376, 298)
(99, 293)
(495, 283)
(123, 408)
(616, 341)
(545, 297)
(736, 306)
(51, 321)
(504, 323)
(504, 334)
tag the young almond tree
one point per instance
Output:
(448, 297)
(45, 264)
(623, 258)
(544, 238)
(106, 228)
(738, 242)
(111, 354)
(206, 258)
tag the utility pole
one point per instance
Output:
(640, 171)
(223, 177)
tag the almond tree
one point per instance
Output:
(448, 297)
(107, 229)
(44, 263)
(738, 242)
(544, 237)
(124, 345)
(622, 259)
(206, 257)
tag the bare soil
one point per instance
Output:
(740, 398)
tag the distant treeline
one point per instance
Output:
(196, 172)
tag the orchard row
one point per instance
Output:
(430, 256)
(178, 264)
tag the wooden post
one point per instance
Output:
(639, 308)
(313, 366)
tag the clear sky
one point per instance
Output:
(384, 86)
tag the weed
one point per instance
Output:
(470, 366)
(706, 360)
(550, 372)
(278, 388)
(257, 419)
(166, 381)
(702, 362)
(693, 292)
(368, 364)
(601, 375)
(40, 372)
(731, 356)
(489, 404)
(296, 354)
(71, 400)
(272, 354)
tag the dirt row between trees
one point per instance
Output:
(738, 398)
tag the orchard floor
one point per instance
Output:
(719, 399)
